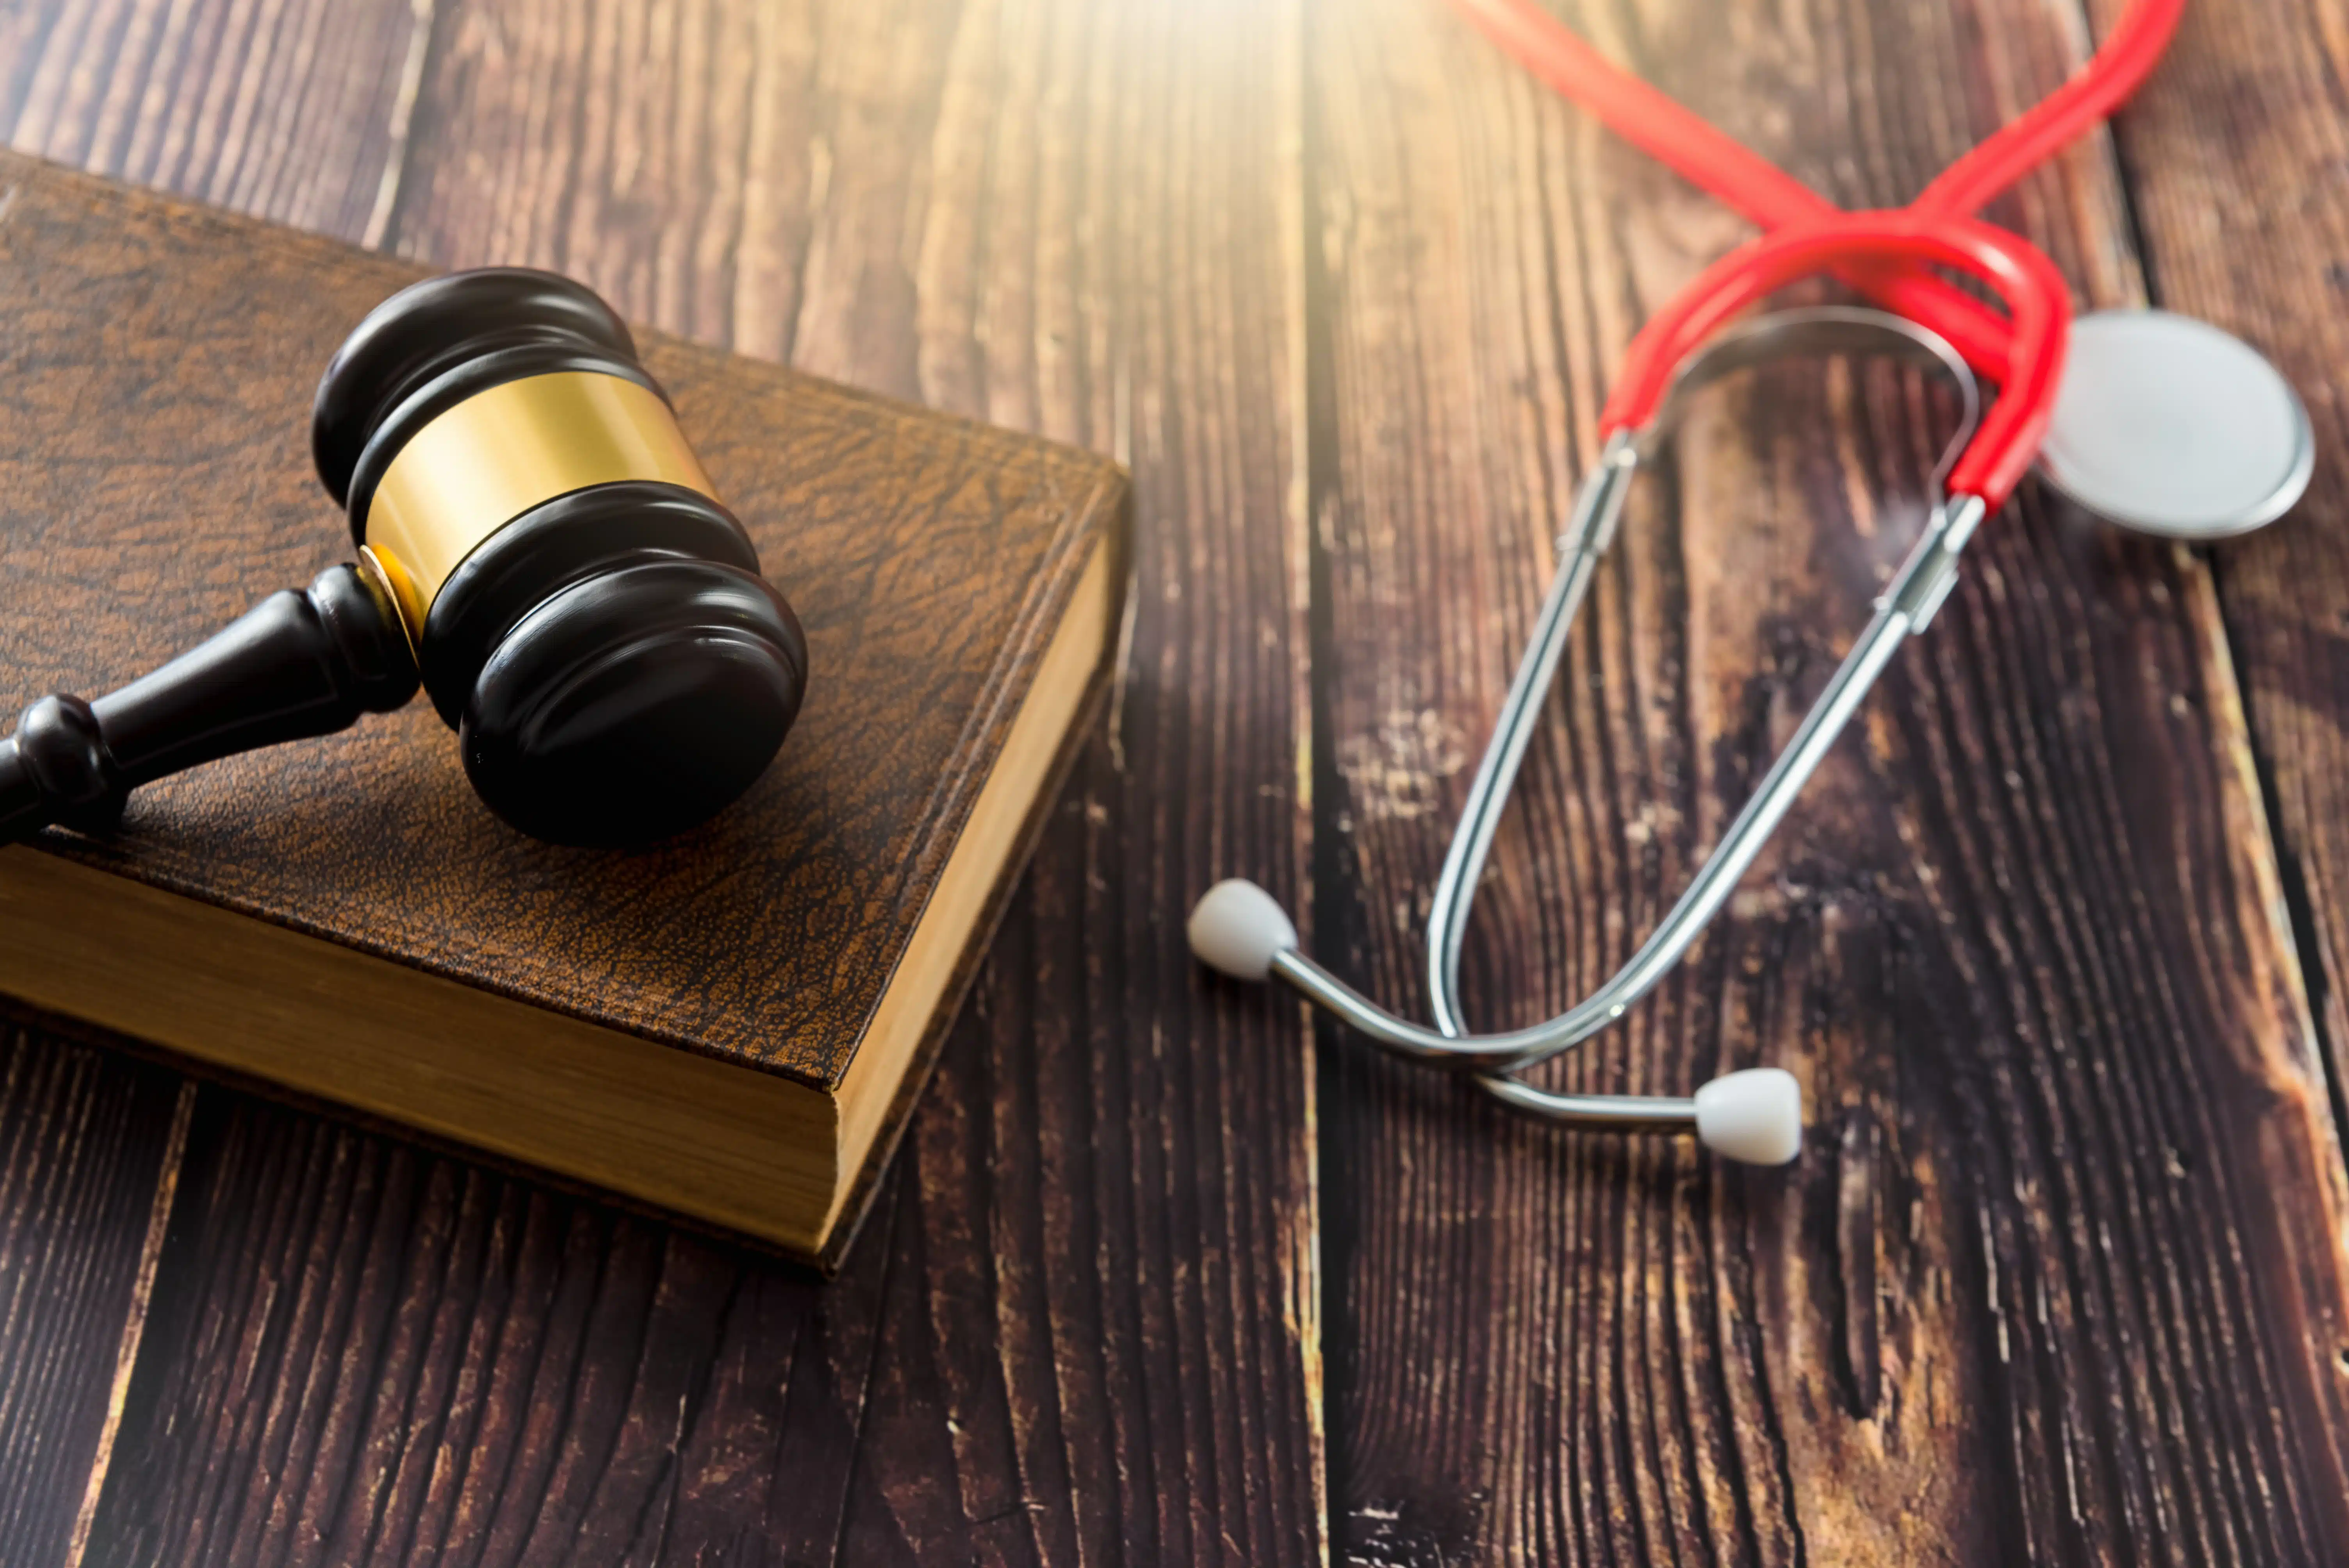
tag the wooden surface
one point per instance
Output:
(2022, 941)
(2056, 939)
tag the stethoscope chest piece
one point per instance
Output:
(2171, 426)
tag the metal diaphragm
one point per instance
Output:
(2172, 426)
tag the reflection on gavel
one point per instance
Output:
(538, 546)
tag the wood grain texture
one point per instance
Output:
(84, 1136)
(2235, 159)
(385, 1357)
(282, 109)
(2061, 1276)
(1081, 1325)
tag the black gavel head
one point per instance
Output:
(583, 611)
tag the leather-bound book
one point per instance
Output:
(730, 1024)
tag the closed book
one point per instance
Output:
(730, 1024)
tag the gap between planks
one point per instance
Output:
(385, 209)
(134, 1323)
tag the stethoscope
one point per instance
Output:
(2157, 422)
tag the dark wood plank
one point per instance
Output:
(1936, 1339)
(2234, 159)
(362, 1352)
(286, 110)
(83, 1134)
(2061, 1276)
(188, 95)
(1082, 1324)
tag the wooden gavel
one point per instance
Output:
(538, 547)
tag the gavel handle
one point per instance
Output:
(296, 665)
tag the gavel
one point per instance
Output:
(538, 548)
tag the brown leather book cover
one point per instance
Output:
(155, 482)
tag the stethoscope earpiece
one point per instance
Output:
(1239, 929)
(1753, 1116)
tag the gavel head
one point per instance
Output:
(586, 614)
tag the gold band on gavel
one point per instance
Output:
(481, 464)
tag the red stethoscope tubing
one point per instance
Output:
(2040, 314)
(2024, 357)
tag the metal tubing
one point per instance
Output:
(1917, 590)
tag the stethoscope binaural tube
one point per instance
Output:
(2039, 309)
(1754, 1115)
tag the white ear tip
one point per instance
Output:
(1236, 927)
(1755, 1116)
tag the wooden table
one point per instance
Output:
(1163, 1274)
